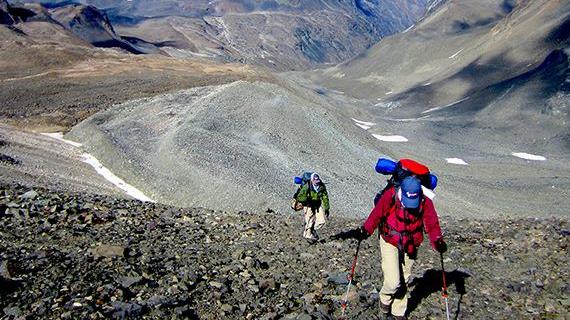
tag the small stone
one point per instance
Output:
(109, 251)
(226, 308)
(304, 316)
(215, 284)
(12, 311)
(338, 278)
(128, 281)
(77, 305)
(307, 256)
(549, 307)
(238, 254)
(565, 302)
(123, 310)
(4, 270)
(267, 285)
(29, 195)
(156, 300)
(183, 311)
(309, 298)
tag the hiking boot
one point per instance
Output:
(384, 308)
(311, 240)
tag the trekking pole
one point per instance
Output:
(444, 292)
(350, 277)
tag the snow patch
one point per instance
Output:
(455, 54)
(370, 124)
(529, 156)
(389, 93)
(59, 136)
(365, 127)
(393, 138)
(446, 106)
(410, 28)
(100, 169)
(111, 177)
(456, 161)
(409, 119)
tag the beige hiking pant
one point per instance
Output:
(396, 275)
(314, 220)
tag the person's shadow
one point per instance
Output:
(431, 282)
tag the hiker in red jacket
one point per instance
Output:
(401, 215)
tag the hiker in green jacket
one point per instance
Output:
(315, 199)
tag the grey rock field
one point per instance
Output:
(69, 255)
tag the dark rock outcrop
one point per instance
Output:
(5, 17)
(91, 25)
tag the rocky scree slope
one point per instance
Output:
(31, 159)
(66, 255)
(234, 147)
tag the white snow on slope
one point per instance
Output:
(456, 161)
(59, 136)
(529, 156)
(100, 169)
(394, 138)
(410, 28)
(455, 54)
(111, 177)
(365, 127)
(363, 124)
(446, 106)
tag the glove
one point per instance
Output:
(358, 234)
(440, 246)
(362, 234)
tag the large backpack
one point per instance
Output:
(402, 169)
(301, 181)
(304, 178)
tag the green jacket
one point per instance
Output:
(310, 198)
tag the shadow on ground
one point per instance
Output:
(431, 282)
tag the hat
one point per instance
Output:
(315, 177)
(411, 192)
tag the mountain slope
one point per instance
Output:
(91, 25)
(283, 35)
(479, 82)
(238, 144)
(102, 258)
(491, 64)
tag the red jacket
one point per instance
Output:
(402, 228)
